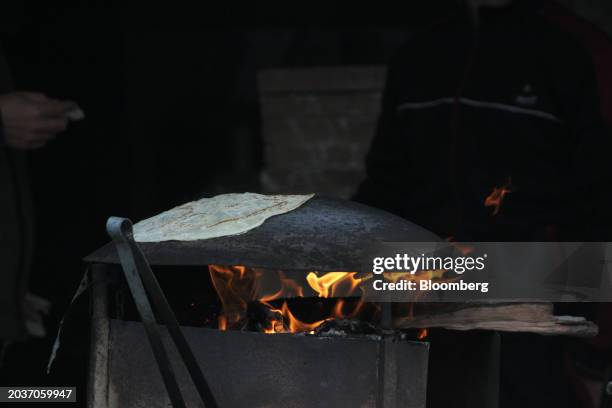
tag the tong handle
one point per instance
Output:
(144, 287)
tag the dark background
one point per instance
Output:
(163, 90)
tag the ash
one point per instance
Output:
(355, 328)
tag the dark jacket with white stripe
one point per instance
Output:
(514, 102)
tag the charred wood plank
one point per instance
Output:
(520, 317)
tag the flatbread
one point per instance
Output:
(222, 215)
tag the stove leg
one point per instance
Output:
(97, 387)
(391, 367)
(387, 376)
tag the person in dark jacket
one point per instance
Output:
(28, 120)
(492, 129)
(506, 103)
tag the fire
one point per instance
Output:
(238, 286)
(276, 324)
(235, 285)
(340, 306)
(421, 275)
(332, 282)
(246, 305)
(422, 334)
(496, 197)
(295, 325)
(222, 322)
(461, 247)
(287, 286)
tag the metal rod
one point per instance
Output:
(97, 396)
(114, 228)
(141, 281)
(169, 319)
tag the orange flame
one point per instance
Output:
(237, 286)
(463, 248)
(435, 274)
(422, 334)
(288, 287)
(339, 313)
(332, 283)
(276, 325)
(296, 325)
(496, 197)
(222, 322)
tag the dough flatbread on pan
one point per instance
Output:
(222, 215)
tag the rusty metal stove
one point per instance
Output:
(246, 369)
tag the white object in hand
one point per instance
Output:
(75, 114)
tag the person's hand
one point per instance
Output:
(30, 119)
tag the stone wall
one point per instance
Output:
(317, 127)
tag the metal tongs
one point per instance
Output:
(144, 287)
